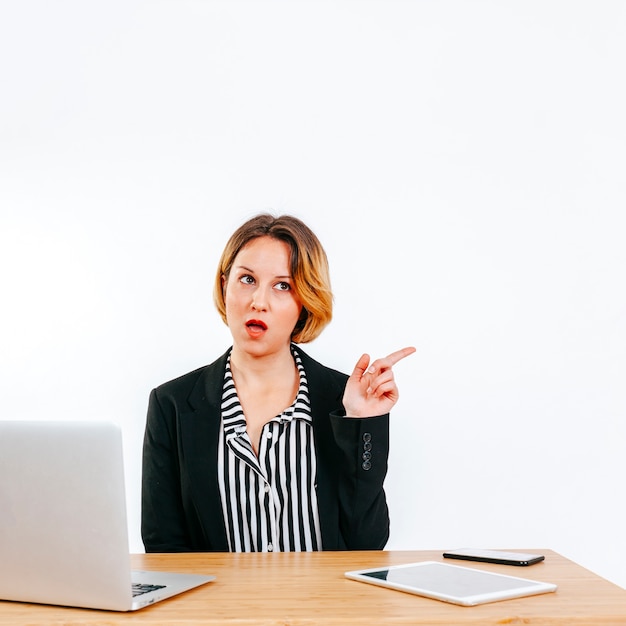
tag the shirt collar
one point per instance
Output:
(300, 409)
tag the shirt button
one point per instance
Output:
(367, 437)
(367, 456)
(366, 465)
(266, 488)
(269, 435)
(270, 547)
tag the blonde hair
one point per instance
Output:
(309, 269)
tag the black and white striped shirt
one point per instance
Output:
(269, 501)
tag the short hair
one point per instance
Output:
(309, 269)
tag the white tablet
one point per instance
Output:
(451, 583)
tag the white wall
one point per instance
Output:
(463, 163)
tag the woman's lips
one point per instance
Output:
(255, 328)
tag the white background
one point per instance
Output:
(464, 165)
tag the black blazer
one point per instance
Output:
(181, 507)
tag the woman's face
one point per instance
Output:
(262, 308)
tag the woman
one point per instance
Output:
(266, 449)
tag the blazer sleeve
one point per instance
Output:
(163, 526)
(363, 445)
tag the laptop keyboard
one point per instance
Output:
(141, 588)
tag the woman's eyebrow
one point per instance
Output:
(247, 269)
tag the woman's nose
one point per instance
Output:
(259, 300)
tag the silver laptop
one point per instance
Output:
(63, 528)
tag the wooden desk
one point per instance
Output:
(296, 589)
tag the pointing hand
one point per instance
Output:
(371, 389)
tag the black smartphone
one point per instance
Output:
(495, 556)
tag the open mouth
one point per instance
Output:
(256, 326)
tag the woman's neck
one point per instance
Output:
(265, 369)
(266, 386)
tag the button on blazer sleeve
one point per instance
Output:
(364, 448)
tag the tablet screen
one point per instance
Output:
(461, 585)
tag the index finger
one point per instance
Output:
(398, 355)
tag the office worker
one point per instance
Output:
(266, 449)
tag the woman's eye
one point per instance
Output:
(246, 279)
(283, 286)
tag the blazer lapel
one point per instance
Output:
(199, 438)
(326, 388)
